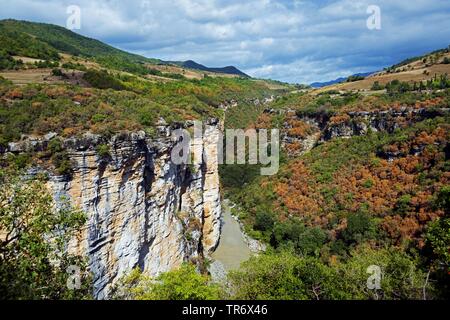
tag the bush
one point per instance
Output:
(29, 218)
(355, 78)
(57, 72)
(60, 158)
(184, 283)
(268, 277)
(263, 221)
(97, 118)
(437, 244)
(46, 64)
(21, 160)
(377, 86)
(102, 80)
(403, 204)
(103, 151)
(284, 276)
(359, 228)
(401, 278)
(293, 234)
(8, 62)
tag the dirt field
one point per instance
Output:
(27, 60)
(23, 77)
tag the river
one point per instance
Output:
(232, 249)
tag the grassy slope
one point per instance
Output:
(64, 40)
(416, 69)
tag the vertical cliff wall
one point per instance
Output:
(143, 210)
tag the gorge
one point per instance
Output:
(142, 209)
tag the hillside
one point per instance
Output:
(86, 151)
(227, 70)
(100, 84)
(338, 80)
(413, 70)
(45, 41)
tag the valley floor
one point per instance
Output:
(232, 249)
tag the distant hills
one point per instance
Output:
(45, 41)
(338, 80)
(227, 70)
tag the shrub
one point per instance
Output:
(60, 158)
(293, 234)
(359, 228)
(355, 78)
(97, 118)
(403, 204)
(103, 151)
(377, 86)
(268, 277)
(263, 221)
(22, 160)
(284, 276)
(184, 283)
(29, 218)
(102, 80)
(57, 72)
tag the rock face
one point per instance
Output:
(360, 123)
(323, 127)
(143, 210)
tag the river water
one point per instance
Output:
(232, 249)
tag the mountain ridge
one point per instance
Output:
(197, 66)
(339, 80)
(51, 38)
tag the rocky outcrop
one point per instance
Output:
(300, 133)
(143, 210)
(360, 123)
(296, 145)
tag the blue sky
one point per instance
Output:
(294, 41)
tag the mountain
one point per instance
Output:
(59, 38)
(45, 41)
(338, 80)
(227, 70)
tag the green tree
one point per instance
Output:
(268, 277)
(304, 240)
(285, 276)
(184, 283)
(33, 255)
(401, 279)
(437, 244)
(359, 228)
(103, 151)
(263, 221)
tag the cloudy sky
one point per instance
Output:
(289, 40)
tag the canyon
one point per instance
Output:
(143, 211)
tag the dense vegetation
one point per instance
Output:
(34, 237)
(328, 215)
(349, 197)
(44, 41)
(184, 283)
(128, 104)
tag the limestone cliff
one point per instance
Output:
(143, 210)
(345, 125)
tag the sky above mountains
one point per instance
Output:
(287, 40)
